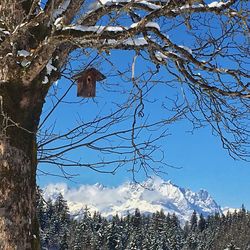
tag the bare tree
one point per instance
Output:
(201, 46)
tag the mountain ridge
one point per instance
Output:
(152, 195)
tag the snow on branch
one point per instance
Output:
(200, 43)
(151, 4)
(99, 28)
(148, 24)
(96, 29)
(62, 8)
(140, 41)
(216, 4)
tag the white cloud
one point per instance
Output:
(153, 195)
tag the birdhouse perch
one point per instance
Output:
(86, 82)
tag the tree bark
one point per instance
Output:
(20, 109)
(18, 226)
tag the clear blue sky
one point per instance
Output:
(204, 165)
(202, 161)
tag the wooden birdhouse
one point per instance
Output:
(86, 82)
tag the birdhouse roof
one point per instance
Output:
(97, 74)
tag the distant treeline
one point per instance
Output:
(139, 232)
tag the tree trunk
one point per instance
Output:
(18, 227)
(20, 109)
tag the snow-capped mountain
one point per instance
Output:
(150, 196)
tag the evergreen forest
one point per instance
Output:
(158, 231)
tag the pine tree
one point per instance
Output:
(175, 234)
(201, 223)
(98, 231)
(77, 236)
(41, 212)
(193, 221)
(54, 223)
(139, 232)
(186, 229)
(47, 239)
(61, 221)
